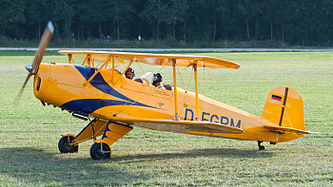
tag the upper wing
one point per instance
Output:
(155, 59)
(289, 129)
(180, 125)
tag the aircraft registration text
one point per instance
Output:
(206, 116)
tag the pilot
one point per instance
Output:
(130, 73)
(157, 81)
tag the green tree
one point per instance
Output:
(296, 22)
(34, 17)
(11, 16)
(218, 9)
(155, 12)
(249, 10)
(119, 12)
(62, 13)
(176, 10)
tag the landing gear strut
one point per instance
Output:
(261, 147)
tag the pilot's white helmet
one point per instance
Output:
(147, 77)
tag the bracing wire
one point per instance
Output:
(205, 90)
(213, 91)
(181, 77)
(171, 76)
(189, 80)
(140, 68)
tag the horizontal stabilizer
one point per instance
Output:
(185, 126)
(289, 129)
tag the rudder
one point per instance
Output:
(284, 107)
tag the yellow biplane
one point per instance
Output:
(95, 90)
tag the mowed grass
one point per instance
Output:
(29, 132)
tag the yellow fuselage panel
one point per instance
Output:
(106, 96)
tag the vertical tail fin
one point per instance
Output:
(284, 107)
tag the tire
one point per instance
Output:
(100, 151)
(64, 146)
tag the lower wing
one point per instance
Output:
(187, 126)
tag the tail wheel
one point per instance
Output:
(261, 147)
(64, 146)
(100, 151)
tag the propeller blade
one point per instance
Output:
(33, 68)
(18, 97)
(42, 46)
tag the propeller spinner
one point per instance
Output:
(34, 66)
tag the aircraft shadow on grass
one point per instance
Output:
(37, 166)
(195, 153)
(29, 164)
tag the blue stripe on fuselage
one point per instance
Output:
(86, 72)
(90, 105)
(99, 83)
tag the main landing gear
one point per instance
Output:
(97, 151)
(101, 149)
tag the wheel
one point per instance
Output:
(64, 146)
(100, 151)
(261, 147)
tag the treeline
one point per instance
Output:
(297, 22)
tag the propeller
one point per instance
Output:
(34, 66)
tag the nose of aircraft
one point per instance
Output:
(33, 68)
(28, 67)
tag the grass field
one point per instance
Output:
(29, 132)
